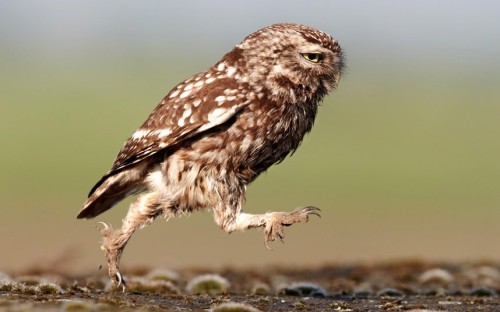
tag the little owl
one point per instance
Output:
(216, 132)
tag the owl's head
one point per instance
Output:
(289, 62)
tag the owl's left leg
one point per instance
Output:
(141, 213)
(272, 222)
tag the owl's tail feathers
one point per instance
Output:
(109, 191)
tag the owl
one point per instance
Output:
(215, 132)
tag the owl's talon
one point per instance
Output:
(119, 281)
(105, 228)
(114, 272)
(310, 210)
(112, 245)
(104, 225)
(267, 245)
(276, 221)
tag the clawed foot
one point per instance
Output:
(275, 221)
(112, 249)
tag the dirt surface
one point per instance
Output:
(395, 286)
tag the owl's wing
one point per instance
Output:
(185, 112)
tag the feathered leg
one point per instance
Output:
(141, 213)
(272, 222)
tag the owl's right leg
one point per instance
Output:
(231, 220)
(141, 213)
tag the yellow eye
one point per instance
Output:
(313, 57)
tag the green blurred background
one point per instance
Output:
(404, 159)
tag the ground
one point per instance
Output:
(388, 286)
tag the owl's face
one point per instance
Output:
(290, 62)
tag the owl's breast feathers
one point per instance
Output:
(266, 133)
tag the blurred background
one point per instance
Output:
(404, 159)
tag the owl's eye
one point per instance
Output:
(313, 57)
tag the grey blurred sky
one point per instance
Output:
(443, 31)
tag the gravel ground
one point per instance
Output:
(390, 286)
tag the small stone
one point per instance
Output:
(162, 275)
(488, 272)
(30, 280)
(261, 289)
(144, 285)
(390, 292)
(484, 276)
(49, 289)
(436, 276)
(434, 292)
(362, 294)
(483, 292)
(234, 307)
(304, 290)
(26, 289)
(5, 279)
(211, 284)
(7, 286)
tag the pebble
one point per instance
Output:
(162, 274)
(483, 292)
(436, 276)
(234, 307)
(304, 290)
(390, 292)
(211, 284)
